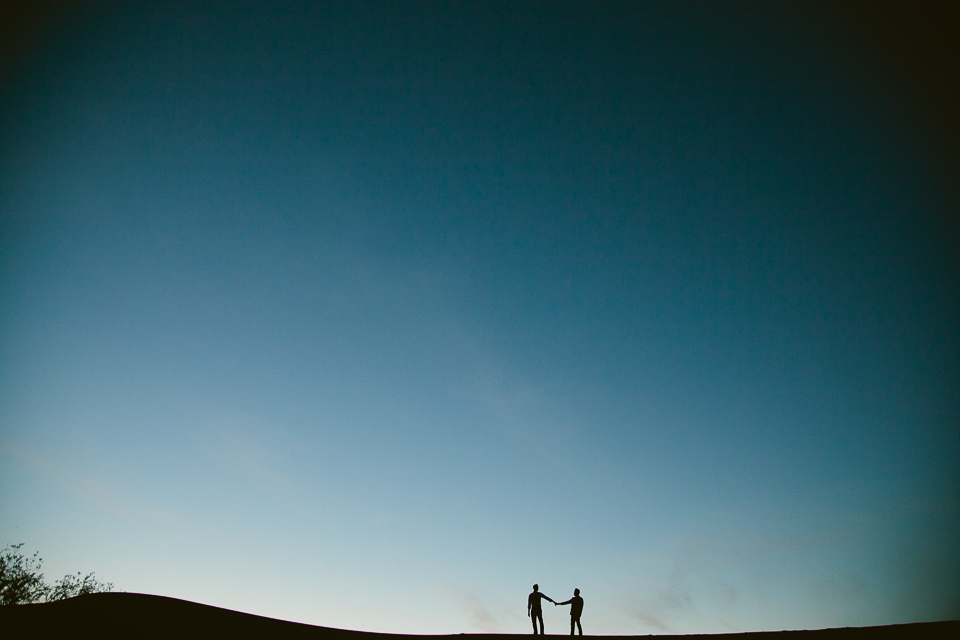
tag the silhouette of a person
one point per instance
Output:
(533, 607)
(576, 608)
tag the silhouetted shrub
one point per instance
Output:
(20, 578)
(70, 586)
(21, 581)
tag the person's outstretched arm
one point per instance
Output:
(563, 603)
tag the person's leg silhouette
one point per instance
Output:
(537, 616)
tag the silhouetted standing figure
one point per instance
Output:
(533, 607)
(576, 608)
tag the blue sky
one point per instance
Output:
(372, 315)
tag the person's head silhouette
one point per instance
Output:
(576, 592)
(536, 587)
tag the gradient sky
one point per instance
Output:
(371, 315)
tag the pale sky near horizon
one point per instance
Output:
(371, 315)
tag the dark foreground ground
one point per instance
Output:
(109, 616)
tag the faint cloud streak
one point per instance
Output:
(478, 615)
(103, 495)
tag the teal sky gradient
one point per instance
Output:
(371, 315)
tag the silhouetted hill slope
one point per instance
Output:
(109, 616)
